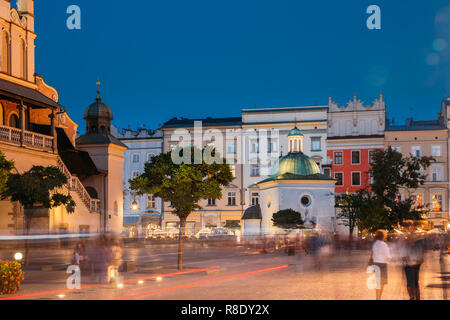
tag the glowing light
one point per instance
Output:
(61, 296)
(141, 281)
(159, 279)
(134, 206)
(120, 285)
(18, 256)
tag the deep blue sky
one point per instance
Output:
(199, 58)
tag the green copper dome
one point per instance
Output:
(295, 163)
(295, 132)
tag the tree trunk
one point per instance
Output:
(180, 242)
(27, 215)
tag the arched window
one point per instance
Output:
(14, 121)
(23, 59)
(5, 52)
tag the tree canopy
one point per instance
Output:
(38, 187)
(185, 184)
(288, 219)
(379, 206)
(5, 168)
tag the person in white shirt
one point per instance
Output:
(380, 257)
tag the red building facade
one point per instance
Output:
(354, 132)
(350, 166)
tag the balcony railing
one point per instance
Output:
(30, 139)
(75, 184)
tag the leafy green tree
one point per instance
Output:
(288, 219)
(349, 207)
(392, 171)
(5, 168)
(184, 184)
(35, 190)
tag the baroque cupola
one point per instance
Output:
(98, 116)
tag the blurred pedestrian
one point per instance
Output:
(413, 257)
(116, 260)
(79, 255)
(101, 259)
(380, 257)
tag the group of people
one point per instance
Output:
(411, 251)
(101, 259)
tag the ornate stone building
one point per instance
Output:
(36, 130)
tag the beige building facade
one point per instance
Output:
(426, 138)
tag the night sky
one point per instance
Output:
(161, 59)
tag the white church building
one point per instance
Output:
(295, 183)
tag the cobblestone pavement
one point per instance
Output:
(242, 274)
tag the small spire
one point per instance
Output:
(381, 95)
(354, 97)
(330, 99)
(98, 98)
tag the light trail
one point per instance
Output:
(45, 293)
(189, 285)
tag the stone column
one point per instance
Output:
(52, 117)
(22, 108)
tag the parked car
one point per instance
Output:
(203, 234)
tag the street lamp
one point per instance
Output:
(134, 206)
(18, 256)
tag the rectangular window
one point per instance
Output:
(316, 144)
(272, 145)
(231, 147)
(417, 204)
(171, 225)
(371, 153)
(255, 198)
(149, 157)
(231, 198)
(254, 146)
(435, 174)
(151, 201)
(233, 170)
(437, 202)
(211, 202)
(254, 170)
(398, 149)
(370, 175)
(356, 155)
(338, 158)
(356, 178)
(327, 172)
(436, 151)
(135, 174)
(339, 176)
(135, 158)
(416, 151)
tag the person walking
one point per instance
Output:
(413, 257)
(380, 258)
